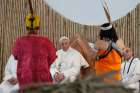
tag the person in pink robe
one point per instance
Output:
(34, 55)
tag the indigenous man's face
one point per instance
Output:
(65, 45)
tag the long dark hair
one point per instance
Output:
(108, 34)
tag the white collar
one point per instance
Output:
(130, 59)
(128, 62)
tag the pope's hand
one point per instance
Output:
(59, 77)
(13, 81)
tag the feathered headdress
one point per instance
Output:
(108, 16)
(106, 10)
(32, 21)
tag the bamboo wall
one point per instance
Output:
(12, 13)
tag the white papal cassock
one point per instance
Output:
(69, 63)
(10, 71)
(131, 73)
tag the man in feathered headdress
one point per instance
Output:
(34, 55)
(109, 54)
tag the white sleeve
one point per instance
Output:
(53, 68)
(135, 77)
(11, 68)
(73, 72)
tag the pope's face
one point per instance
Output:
(65, 45)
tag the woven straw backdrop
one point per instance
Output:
(12, 13)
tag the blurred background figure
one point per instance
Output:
(10, 82)
(131, 71)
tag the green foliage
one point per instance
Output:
(89, 84)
